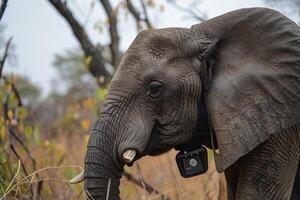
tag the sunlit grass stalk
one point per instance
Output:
(24, 180)
(12, 181)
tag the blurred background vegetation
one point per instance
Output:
(43, 136)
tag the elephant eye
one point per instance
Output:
(154, 89)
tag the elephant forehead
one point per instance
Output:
(155, 44)
(149, 51)
(137, 65)
(130, 67)
(155, 49)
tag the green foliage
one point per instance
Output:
(37, 135)
(14, 123)
(29, 92)
(70, 172)
(22, 112)
(101, 94)
(71, 67)
(28, 132)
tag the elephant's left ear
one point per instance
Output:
(255, 86)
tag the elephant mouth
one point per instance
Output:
(155, 145)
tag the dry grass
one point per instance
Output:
(161, 171)
(65, 155)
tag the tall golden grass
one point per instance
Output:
(61, 157)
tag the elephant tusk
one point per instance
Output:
(78, 178)
(128, 156)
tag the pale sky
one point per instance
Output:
(39, 31)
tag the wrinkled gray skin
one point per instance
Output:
(247, 62)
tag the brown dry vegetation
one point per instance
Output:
(59, 157)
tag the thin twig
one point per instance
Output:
(140, 176)
(22, 164)
(92, 6)
(147, 20)
(137, 15)
(5, 54)
(3, 7)
(150, 189)
(189, 11)
(13, 180)
(113, 31)
(15, 90)
(24, 147)
(38, 171)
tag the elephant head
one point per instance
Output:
(245, 63)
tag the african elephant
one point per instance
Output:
(245, 64)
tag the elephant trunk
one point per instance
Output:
(103, 169)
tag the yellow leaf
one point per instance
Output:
(88, 60)
(1, 120)
(60, 149)
(2, 132)
(22, 113)
(106, 21)
(46, 143)
(85, 124)
(37, 135)
(28, 131)
(101, 93)
(8, 87)
(10, 114)
(86, 140)
(89, 103)
(21, 127)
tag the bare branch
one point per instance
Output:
(14, 89)
(97, 64)
(137, 15)
(189, 11)
(2, 8)
(113, 30)
(87, 18)
(133, 11)
(2, 62)
(147, 20)
(143, 184)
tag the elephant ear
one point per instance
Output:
(254, 90)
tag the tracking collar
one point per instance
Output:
(192, 157)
